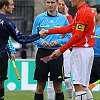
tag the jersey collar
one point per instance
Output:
(57, 14)
(82, 6)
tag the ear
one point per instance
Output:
(5, 7)
(99, 14)
(78, 1)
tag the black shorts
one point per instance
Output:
(95, 72)
(3, 66)
(55, 67)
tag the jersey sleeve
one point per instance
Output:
(18, 36)
(10, 46)
(69, 44)
(62, 30)
(69, 17)
(35, 30)
(64, 40)
(82, 17)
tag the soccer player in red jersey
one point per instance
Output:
(82, 42)
(63, 9)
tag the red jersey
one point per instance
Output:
(82, 28)
(69, 17)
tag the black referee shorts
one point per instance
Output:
(55, 67)
(3, 65)
(95, 72)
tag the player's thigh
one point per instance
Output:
(97, 65)
(3, 66)
(95, 72)
(66, 63)
(57, 86)
(81, 62)
(42, 69)
(93, 76)
(56, 69)
(40, 86)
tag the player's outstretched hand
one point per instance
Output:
(43, 33)
(56, 54)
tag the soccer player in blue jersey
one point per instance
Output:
(49, 19)
(3, 69)
(7, 28)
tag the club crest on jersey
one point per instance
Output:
(80, 27)
(1, 21)
(16, 30)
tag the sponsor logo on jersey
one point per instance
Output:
(51, 21)
(16, 30)
(57, 26)
(1, 21)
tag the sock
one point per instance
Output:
(69, 88)
(38, 96)
(89, 94)
(70, 94)
(50, 90)
(2, 94)
(81, 95)
(59, 96)
(50, 93)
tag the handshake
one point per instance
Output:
(43, 33)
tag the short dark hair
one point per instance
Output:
(63, 0)
(3, 2)
(97, 8)
(56, 0)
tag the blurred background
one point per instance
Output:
(23, 16)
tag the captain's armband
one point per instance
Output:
(80, 27)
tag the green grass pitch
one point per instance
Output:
(28, 95)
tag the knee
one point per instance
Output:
(40, 87)
(1, 84)
(79, 87)
(67, 81)
(68, 84)
(58, 87)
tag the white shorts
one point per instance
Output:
(81, 63)
(67, 67)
